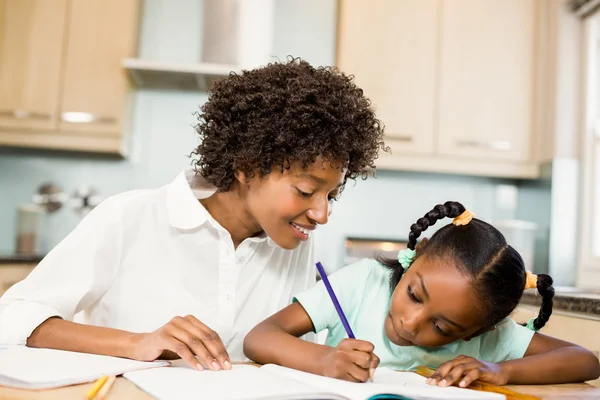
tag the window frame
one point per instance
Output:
(589, 263)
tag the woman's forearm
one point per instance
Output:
(269, 344)
(563, 365)
(56, 333)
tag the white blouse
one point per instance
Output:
(145, 256)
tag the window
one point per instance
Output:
(590, 217)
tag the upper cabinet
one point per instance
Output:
(32, 34)
(453, 81)
(487, 79)
(70, 91)
(393, 58)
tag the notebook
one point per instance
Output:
(271, 382)
(28, 368)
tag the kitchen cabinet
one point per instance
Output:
(31, 45)
(487, 79)
(75, 55)
(13, 273)
(391, 48)
(453, 84)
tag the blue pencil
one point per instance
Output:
(336, 303)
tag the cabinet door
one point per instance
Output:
(102, 33)
(13, 273)
(487, 79)
(390, 47)
(31, 50)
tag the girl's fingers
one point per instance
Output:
(358, 374)
(362, 359)
(470, 377)
(443, 370)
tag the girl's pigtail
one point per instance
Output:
(546, 290)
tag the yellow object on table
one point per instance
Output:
(484, 387)
(96, 388)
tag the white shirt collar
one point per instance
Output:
(186, 212)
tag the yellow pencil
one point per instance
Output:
(104, 391)
(96, 387)
(484, 387)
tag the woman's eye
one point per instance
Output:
(333, 198)
(303, 194)
(412, 296)
(440, 330)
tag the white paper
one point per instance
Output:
(275, 382)
(30, 368)
(241, 382)
(386, 381)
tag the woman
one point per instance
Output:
(188, 269)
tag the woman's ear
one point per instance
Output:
(421, 245)
(479, 332)
(241, 177)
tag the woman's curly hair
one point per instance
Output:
(283, 113)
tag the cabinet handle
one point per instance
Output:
(498, 145)
(402, 138)
(23, 114)
(76, 117)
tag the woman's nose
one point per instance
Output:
(319, 212)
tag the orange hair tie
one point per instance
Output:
(530, 280)
(464, 218)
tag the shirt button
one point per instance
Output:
(240, 260)
(227, 296)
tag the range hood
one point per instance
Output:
(237, 34)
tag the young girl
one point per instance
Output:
(446, 297)
(186, 270)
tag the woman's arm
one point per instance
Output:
(276, 341)
(181, 337)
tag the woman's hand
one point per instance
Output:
(185, 337)
(463, 370)
(352, 360)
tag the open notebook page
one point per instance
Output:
(386, 381)
(29, 368)
(274, 382)
(241, 382)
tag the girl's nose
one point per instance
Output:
(410, 325)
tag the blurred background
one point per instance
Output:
(494, 103)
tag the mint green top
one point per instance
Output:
(363, 290)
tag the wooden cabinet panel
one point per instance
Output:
(487, 79)
(31, 52)
(390, 47)
(101, 34)
(13, 273)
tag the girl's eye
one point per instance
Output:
(412, 295)
(440, 330)
(304, 194)
(333, 198)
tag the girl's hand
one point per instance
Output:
(184, 337)
(352, 360)
(463, 370)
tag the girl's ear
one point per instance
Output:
(479, 332)
(419, 248)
